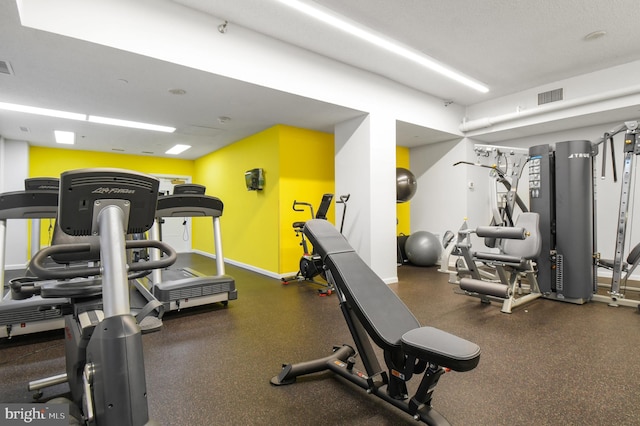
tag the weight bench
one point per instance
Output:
(372, 310)
(521, 245)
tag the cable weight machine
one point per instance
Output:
(631, 148)
(561, 191)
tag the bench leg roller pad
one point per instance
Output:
(484, 287)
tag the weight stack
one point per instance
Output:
(542, 201)
(574, 206)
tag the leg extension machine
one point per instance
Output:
(521, 244)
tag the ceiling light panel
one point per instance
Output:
(84, 117)
(177, 149)
(64, 137)
(131, 124)
(389, 45)
(42, 111)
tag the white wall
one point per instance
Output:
(448, 195)
(440, 202)
(597, 98)
(2, 161)
(14, 167)
(365, 169)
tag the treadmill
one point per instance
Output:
(38, 201)
(25, 313)
(179, 288)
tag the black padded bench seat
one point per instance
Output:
(384, 316)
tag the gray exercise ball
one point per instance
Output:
(406, 185)
(423, 248)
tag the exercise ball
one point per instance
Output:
(406, 185)
(423, 248)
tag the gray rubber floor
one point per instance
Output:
(548, 363)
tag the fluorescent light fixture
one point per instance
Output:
(132, 124)
(177, 149)
(42, 111)
(67, 138)
(84, 117)
(388, 45)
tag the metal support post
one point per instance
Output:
(631, 148)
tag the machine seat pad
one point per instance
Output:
(515, 261)
(441, 348)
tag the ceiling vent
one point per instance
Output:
(550, 96)
(5, 68)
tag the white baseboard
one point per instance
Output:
(246, 266)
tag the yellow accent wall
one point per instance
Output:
(51, 162)
(256, 225)
(307, 171)
(403, 210)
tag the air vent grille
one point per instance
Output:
(5, 68)
(550, 96)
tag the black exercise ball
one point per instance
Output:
(406, 185)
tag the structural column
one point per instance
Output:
(365, 167)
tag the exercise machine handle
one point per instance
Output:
(343, 199)
(302, 203)
(38, 267)
(608, 137)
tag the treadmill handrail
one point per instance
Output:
(38, 204)
(38, 267)
(189, 205)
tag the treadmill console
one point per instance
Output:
(81, 192)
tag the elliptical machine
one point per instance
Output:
(103, 342)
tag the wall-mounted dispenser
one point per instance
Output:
(254, 179)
